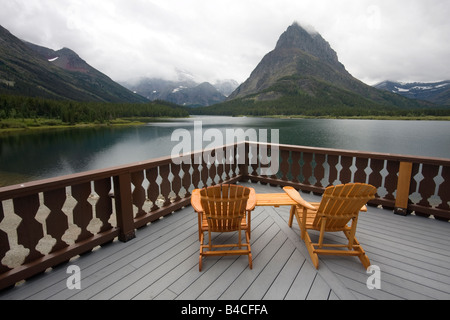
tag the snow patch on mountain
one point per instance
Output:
(437, 92)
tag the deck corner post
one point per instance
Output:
(124, 207)
(247, 160)
(403, 185)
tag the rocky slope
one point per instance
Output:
(30, 70)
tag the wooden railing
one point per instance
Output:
(46, 223)
(405, 183)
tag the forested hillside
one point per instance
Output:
(73, 112)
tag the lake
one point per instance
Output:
(41, 154)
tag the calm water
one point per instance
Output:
(32, 156)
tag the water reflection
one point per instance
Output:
(43, 154)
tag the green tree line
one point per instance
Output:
(73, 112)
(322, 106)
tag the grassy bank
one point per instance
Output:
(13, 125)
(406, 118)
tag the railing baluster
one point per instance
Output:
(4, 242)
(307, 168)
(295, 167)
(176, 182)
(284, 165)
(360, 173)
(186, 181)
(345, 175)
(319, 170)
(254, 161)
(391, 179)
(82, 212)
(332, 161)
(212, 169)
(164, 172)
(137, 178)
(444, 190)
(444, 194)
(29, 231)
(153, 187)
(375, 177)
(56, 221)
(204, 173)
(195, 174)
(427, 187)
(221, 166)
(103, 208)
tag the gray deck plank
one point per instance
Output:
(302, 283)
(262, 283)
(237, 289)
(412, 252)
(401, 284)
(283, 283)
(320, 290)
(195, 283)
(150, 249)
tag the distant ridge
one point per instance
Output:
(436, 92)
(31, 70)
(186, 91)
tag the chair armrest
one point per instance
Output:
(295, 195)
(195, 201)
(251, 202)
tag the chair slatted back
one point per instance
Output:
(224, 206)
(342, 203)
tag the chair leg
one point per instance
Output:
(291, 216)
(201, 252)
(300, 224)
(249, 223)
(362, 254)
(364, 260)
(310, 247)
(199, 226)
(250, 260)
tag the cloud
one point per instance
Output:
(375, 39)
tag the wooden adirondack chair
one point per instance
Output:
(225, 207)
(339, 205)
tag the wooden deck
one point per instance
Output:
(413, 254)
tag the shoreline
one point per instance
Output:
(30, 125)
(412, 118)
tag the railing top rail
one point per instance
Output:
(32, 187)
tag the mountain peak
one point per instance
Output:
(71, 61)
(308, 40)
(295, 36)
(300, 51)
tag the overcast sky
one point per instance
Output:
(404, 40)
